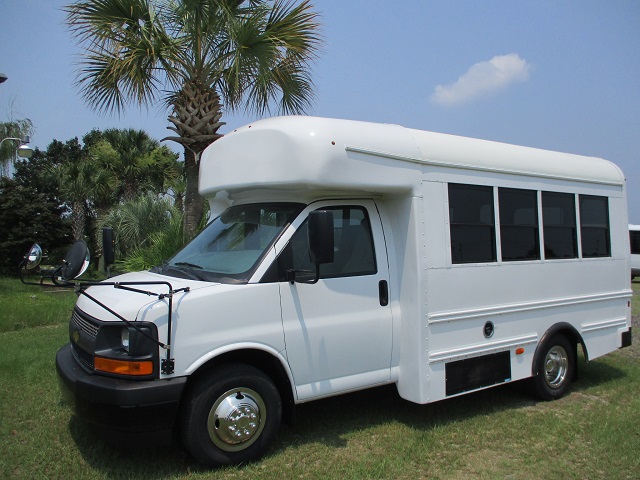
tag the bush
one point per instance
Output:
(158, 248)
(135, 222)
(27, 217)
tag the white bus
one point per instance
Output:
(344, 255)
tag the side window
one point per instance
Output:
(634, 237)
(594, 226)
(472, 224)
(354, 252)
(559, 225)
(519, 224)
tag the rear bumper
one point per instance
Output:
(116, 407)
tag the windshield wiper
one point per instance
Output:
(159, 268)
(187, 264)
(189, 268)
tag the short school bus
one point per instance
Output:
(345, 255)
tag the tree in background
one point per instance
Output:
(136, 220)
(120, 178)
(8, 152)
(138, 161)
(30, 212)
(83, 182)
(160, 246)
(196, 54)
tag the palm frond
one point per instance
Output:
(269, 53)
(253, 54)
(127, 51)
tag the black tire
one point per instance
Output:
(555, 368)
(230, 416)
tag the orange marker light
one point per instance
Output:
(519, 351)
(122, 367)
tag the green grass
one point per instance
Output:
(497, 433)
(25, 306)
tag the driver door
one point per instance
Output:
(338, 331)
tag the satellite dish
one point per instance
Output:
(76, 261)
(34, 257)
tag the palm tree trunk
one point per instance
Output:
(77, 220)
(193, 202)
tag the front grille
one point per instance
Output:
(82, 357)
(83, 331)
(84, 325)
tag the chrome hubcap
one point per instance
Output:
(556, 366)
(236, 419)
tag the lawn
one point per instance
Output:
(594, 432)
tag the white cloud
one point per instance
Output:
(483, 78)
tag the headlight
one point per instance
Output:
(129, 350)
(124, 338)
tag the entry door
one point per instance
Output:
(338, 331)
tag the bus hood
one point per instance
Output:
(150, 295)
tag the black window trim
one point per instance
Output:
(277, 271)
(578, 228)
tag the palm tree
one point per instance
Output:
(136, 220)
(196, 54)
(140, 162)
(82, 183)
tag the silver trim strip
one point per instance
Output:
(604, 325)
(442, 317)
(484, 348)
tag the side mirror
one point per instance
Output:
(321, 244)
(108, 246)
(33, 258)
(76, 261)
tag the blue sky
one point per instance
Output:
(558, 75)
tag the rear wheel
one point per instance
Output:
(231, 416)
(555, 366)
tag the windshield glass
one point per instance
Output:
(230, 248)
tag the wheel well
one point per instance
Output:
(261, 360)
(571, 334)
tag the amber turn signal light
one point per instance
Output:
(121, 367)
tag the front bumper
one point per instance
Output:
(115, 407)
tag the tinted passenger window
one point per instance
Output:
(559, 225)
(519, 224)
(594, 226)
(634, 237)
(472, 224)
(354, 252)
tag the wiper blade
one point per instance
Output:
(189, 268)
(187, 264)
(159, 268)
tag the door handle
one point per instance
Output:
(383, 293)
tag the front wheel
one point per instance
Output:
(231, 416)
(555, 368)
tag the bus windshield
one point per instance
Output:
(230, 248)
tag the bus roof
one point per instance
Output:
(299, 153)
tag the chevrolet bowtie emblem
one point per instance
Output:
(75, 336)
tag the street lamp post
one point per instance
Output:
(24, 150)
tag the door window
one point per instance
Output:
(354, 252)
